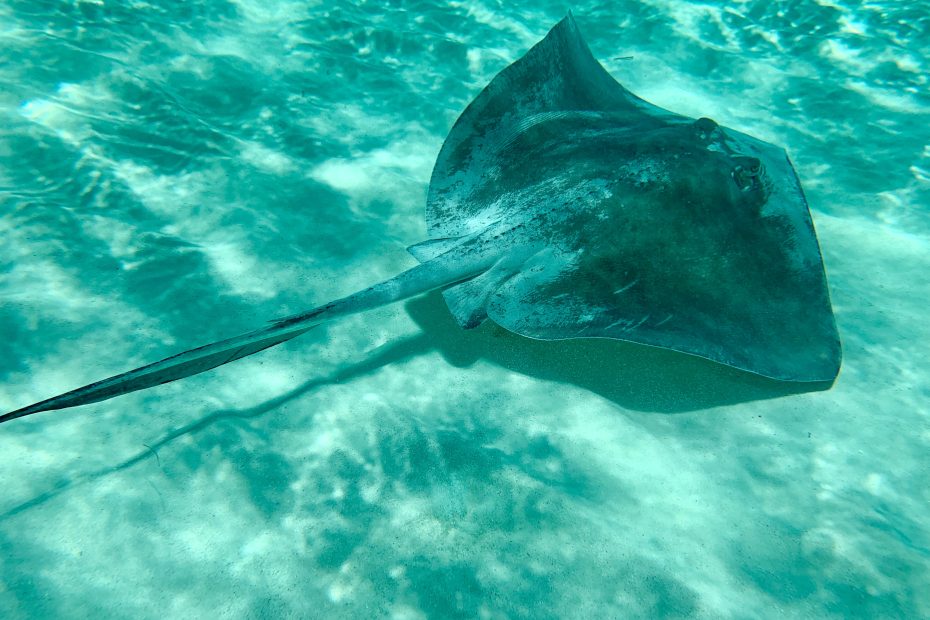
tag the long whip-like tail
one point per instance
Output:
(419, 279)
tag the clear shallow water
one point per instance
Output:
(172, 174)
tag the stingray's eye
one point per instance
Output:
(704, 128)
(747, 172)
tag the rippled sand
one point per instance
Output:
(172, 173)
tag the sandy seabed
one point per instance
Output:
(175, 173)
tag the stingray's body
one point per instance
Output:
(563, 206)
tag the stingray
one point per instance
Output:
(563, 206)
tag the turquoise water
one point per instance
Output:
(173, 173)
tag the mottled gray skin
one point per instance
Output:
(644, 225)
(563, 206)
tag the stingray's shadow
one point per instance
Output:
(383, 356)
(636, 377)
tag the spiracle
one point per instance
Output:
(748, 172)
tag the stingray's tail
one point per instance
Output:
(172, 368)
(418, 280)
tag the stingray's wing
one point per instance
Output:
(700, 268)
(558, 76)
(706, 275)
(754, 298)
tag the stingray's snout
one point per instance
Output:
(748, 172)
